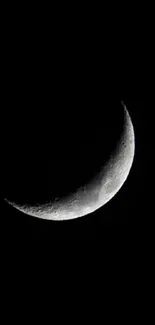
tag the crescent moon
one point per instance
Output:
(101, 189)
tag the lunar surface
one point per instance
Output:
(99, 190)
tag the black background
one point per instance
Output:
(122, 210)
(55, 94)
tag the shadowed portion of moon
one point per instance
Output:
(74, 174)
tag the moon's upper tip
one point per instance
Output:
(123, 104)
(126, 112)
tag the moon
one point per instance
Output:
(99, 190)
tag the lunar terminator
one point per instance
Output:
(98, 191)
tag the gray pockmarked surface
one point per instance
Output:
(99, 190)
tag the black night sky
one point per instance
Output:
(60, 116)
(77, 138)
